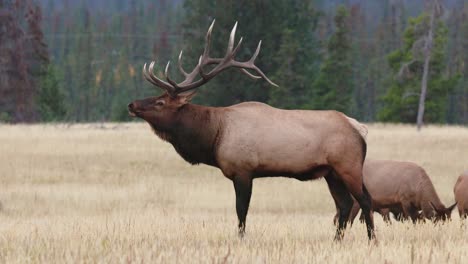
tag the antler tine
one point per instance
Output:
(204, 59)
(253, 76)
(234, 52)
(229, 57)
(231, 40)
(230, 53)
(166, 69)
(200, 69)
(255, 68)
(257, 51)
(150, 68)
(147, 77)
(158, 82)
(236, 48)
(251, 63)
(169, 80)
(208, 39)
(180, 64)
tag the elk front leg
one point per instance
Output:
(463, 213)
(410, 210)
(385, 213)
(243, 188)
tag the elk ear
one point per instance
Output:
(186, 97)
(434, 207)
(450, 208)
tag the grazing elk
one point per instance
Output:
(461, 194)
(402, 188)
(251, 140)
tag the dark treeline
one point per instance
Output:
(81, 60)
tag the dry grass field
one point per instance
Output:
(115, 193)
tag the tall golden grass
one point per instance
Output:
(115, 193)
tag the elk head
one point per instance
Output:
(161, 111)
(442, 214)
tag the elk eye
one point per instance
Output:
(159, 103)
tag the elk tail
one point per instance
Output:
(361, 128)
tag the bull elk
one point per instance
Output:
(251, 140)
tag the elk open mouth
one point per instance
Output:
(131, 110)
(132, 114)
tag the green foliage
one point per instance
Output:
(286, 75)
(100, 49)
(50, 98)
(297, 60)
(4, 117)
(402, 98)
(334, 86)
(288, 53)
(119, 111)
(458, 102)
(350, 64)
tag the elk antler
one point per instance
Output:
(190, 83)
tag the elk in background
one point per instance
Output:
(403, 188)
(461, 194)
(251, 140)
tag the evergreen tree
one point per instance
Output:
(334, 85)
(50, 97)
(457, 63)
(98, 57)
(279, 24)
(402, 98)
(297, 60)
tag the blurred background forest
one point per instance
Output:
(81, 61)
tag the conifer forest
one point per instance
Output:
(81, 61)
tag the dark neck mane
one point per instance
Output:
(195, 134)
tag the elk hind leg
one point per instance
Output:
(354, 212)
(365, 202)
(337, 215)
(363, 197)
(343, 202)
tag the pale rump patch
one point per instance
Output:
(361, 128)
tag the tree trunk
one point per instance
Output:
(427, 51)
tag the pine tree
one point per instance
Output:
(50, 98)
(297, 60)
(274, 22)
(334, 85)
(402, 98)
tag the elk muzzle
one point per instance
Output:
(131, 109)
